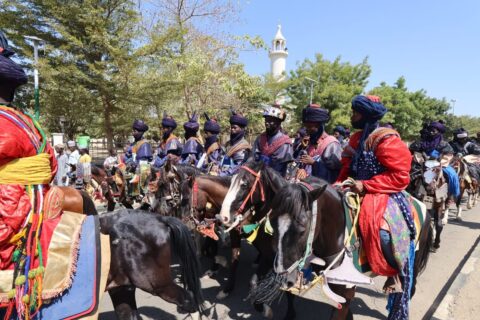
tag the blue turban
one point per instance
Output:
(440, 126)
(211, 125)
(370, 107)
(168, 122)
(340, 130)
(238, 119)
(192, 126)
(315, 113)
(11, 77)
(139, 125)
(4, 49)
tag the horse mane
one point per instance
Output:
(290, 199)
(224, 181)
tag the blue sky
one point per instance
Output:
(434, 44)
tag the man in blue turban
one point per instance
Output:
(237, 149)
(170, 147)
(323, 154)
(193, 149)
(138, 159)
(213, 149)
(462, 146)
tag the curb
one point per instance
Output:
(442, 312)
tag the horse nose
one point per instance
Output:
(290, 284)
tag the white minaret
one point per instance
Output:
(278, 55)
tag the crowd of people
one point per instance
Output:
(375, 157)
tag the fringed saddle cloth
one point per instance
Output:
(359, 258)
(71, 250)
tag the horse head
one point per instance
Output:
(168, 194)
(293, 208)
(249, 187)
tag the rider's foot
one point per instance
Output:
(392, 285)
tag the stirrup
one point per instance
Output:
(347, 274)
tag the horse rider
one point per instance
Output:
(139, 158)
(169, 140)
(274, 147)
(237, 149)
(340, 133)
(27, 166)
(379, 162)
(300, 142)
(213, 149)
(463, 146)
(192, 150)
(434, 146)
(322, 157)
(73, 157)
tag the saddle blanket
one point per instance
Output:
(397, 227)
(72, 274)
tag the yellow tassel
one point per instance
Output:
(253, 236)
(11, 294)
(26, 299)
(20, 280)
(18, 236)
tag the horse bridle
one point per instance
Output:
(239, 213)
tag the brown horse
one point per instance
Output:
(293, 210)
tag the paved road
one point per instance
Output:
(457, 241)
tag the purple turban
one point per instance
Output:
(340, 130)
(11, 77)
(238, 119)
(315, 113)
(370, 107)
(211, 125)
(4, 49)
(438, 125)
(192, 126)
(168, 121)
(139, 125)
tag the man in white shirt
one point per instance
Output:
(73, 158)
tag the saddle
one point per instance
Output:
(71, 252)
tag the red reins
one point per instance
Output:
(257, 176)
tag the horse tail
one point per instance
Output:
(88, 204)
(184, 247)
(421, 257)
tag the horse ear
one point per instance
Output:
(316, 193)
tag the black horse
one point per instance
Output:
(253, 188)
(291, 218)
(142, 248)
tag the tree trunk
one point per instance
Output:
(107, 113)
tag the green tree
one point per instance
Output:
(338, 83)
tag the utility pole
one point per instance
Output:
(312, 83)
(36, 94)
(453, 105)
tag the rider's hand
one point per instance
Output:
(306, 159)
(358, 187)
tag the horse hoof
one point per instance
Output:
(267, 312)
(221, 260)
(436, 245)
(195, 316)
(460, 219)
(222, 295)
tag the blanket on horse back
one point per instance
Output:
(398, 230)
(46, 253)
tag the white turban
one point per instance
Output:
(71, 143)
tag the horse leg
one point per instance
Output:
(235, 244)
(210, 248)
(348, 293)
(459, 205)
(291, 314)
(444, 217)
(438, 225)
(124, 304)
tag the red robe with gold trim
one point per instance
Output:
(14, 201)
(395, 157)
